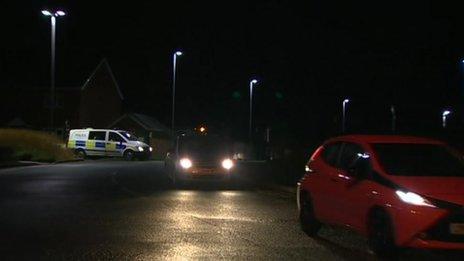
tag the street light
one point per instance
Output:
(444, 117)
(345, 102)
(174, 57)
(53, 16)
(252, 83)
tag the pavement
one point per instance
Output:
(116, 210)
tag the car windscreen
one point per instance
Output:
(427, 160)
(128, 136)
(204, 148)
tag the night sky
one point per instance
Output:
(308, 57)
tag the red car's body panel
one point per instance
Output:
(341, 199)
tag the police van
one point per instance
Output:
(109, 143)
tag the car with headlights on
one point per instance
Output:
(398, 191)
(200, 157)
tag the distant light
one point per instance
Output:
(346, 101)
(202, 129)
(363, 155)
(178, 53)
(254, 81)
(446, 113)
(46, 12)
(60, 13)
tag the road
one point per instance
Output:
(110, 210)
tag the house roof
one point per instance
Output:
(104, 65)
(17, 122)
(147, 122)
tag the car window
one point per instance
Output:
(331, 152)
(115, 137)
(350, 153)
(204, 148)
(97, 135)
(128, 135)
(423, 160)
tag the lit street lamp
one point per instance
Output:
(444, 116)
(345, 102)
(174, 57)
(53, 16)
(252, 83)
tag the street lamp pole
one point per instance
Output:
(345, 102)
(252, 83)
(393, 121)
(174, 57)
(53, 16)
(444, 116)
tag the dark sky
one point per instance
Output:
(308, 57)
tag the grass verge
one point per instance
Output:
(30, 145)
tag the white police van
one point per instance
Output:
(110, 143)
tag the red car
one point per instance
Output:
(398, 191)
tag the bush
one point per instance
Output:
(19, 144)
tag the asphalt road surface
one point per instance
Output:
(109, 210)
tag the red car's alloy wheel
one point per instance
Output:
(309, 224)
(381, 237)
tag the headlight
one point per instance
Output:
(185, 163)
(414, 199)
(227, 164)
(151, 149)
(140, 148)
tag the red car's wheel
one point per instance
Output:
(381, 236)
(309, 224)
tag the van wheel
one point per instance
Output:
(309, 224)
(80, 153)
(381, 237)
(129, 155)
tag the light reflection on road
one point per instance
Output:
(220, 217)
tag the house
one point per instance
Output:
(31, 105)
(101, 99)
(98, 103)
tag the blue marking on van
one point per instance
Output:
(120, 146)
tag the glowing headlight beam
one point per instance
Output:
(413, 199)
(227, 164)
(185, 163)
